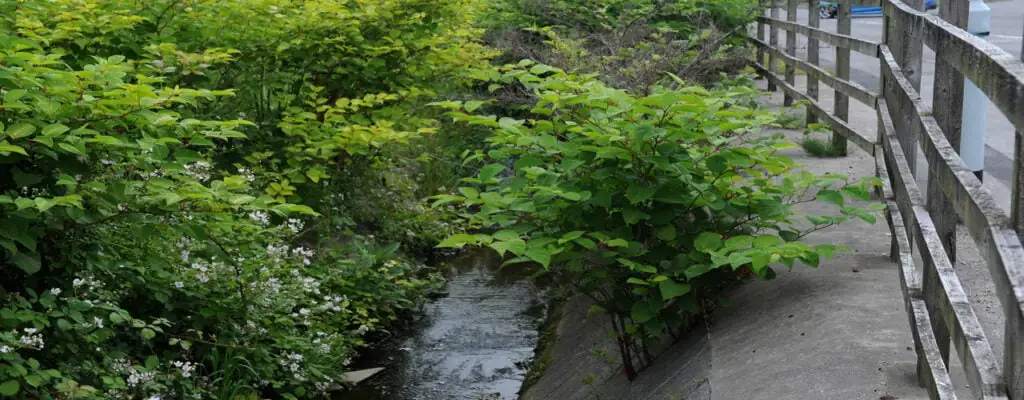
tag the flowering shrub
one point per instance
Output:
(169, 224)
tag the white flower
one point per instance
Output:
(179, 284)
(154, 397)
(260, 217)
(295, 225)
(5, 349)
(304, 312)
(78, 282)
(137, 378)
(55, 291)
(185, 367)
(31, 339)
(98, 321)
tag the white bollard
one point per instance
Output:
(975, 123)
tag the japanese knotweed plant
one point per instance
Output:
(648, 205)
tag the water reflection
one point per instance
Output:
(473, 343)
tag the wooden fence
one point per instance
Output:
(938, 308)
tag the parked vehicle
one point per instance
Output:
(829, 10)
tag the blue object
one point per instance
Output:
(830, 9)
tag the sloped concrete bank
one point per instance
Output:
(835, 332)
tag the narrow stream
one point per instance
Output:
(475, 343)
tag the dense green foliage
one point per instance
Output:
(648, 204)
(189, 188)
(226, 199)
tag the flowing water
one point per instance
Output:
(475, 343)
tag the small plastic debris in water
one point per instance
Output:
(406, 349)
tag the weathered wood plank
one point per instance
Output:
(912, 48)
(887, 131)
(1013, 366)
(859, 45)
(813, 58)
(996, 72)
(760, 36)
(849, 88)
(951, 314)
(988, 226)
(934, 375)
(950, 301)
(773, 41)
(838, 126)
(908, 53)
(787, 100)
(842, 102)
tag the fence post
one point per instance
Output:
(773, 42)
(814, 20)
(760, 36)
(911, 50)
(1013, 353)
(787, 101)
(947, 105)
(1017, 206)
(842, 103)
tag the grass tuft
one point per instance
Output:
(820, 148)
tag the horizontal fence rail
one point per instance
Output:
(940, 315)
(865, 47)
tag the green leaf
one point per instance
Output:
(585, 243)
(490, 171)
(717, 163)
(148, 333)
(617, 243)
(71, 149)
(540, 254)
(54, 129)
(9, 388)
(516, 246)
(187, 156)
(642, 312)
(831, 196)
(671, 289)
(20, 130)
(506, 235)
(708, 241)
(527, 162)
(763, 241)
(738, 242)
(667, 233)
(637, 193)
(571, 236)
(458, 241)
(473, 105)
(7, 148)
(632, 215)
(789, 236)
(28, 263)
(470, 193)
(33, 380)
